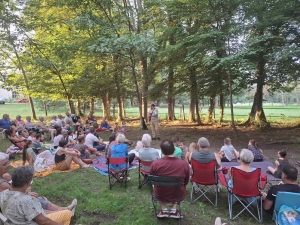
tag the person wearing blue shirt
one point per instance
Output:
(5, 122)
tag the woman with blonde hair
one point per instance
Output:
(192, 147)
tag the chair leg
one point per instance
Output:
(191, 193)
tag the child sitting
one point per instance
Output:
(124, 127)
(281, 162)
(228, 151)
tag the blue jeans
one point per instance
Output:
(99, 147)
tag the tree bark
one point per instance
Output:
(92, 106)
(198, 113)
(193, 94)
(124, 108)
(221, 108)
(120, 109)
(45, 107)
(211, 108)
(106, 106)
(143, 66)
(79, 112)
(171, 115)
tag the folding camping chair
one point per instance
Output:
(204, 180)
(174, 182)
(117, 175)
(245, 185)
(285, 198)
(143, 174)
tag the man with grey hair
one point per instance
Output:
(203, 155)
(147, 153)
(5, 122)
(42, 126)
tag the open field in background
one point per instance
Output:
(273, 113)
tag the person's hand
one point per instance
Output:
(264, 195)
(33, 194)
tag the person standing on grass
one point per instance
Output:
(154, 121)
(170, 166)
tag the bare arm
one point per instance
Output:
(43, 220)
(4, 186)
(30, 159)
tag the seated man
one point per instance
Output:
(37, 146)
(289, 178)
(5, 122)
(93, 142)
(30, 125)
(147, 153)
(170, 165)
(203, 155)
(85, 151)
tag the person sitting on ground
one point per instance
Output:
(54, 123)
(281, 162)
(147, 153)
(85, 151)
(289, 178)
(21, 208)
(70, 138)
(60, 135)
(90, 119)
(30, 156)
(41, 125)
(63, 162)
(23, 133)
(31, 136)
(68, 119)
(257, 152)
(170, 166)
(5, 123)
(120, 150)
(14, 125)
(10, 134)
(93, 142)
(203, 155)
(124, 126)
(246, 157)
(183, 148)
(60, 121)
(228, 151)
(30, 125)
(37, 143)
(20, 122)
(192, 148)
(105, 126)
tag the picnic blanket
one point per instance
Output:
(44, 173)
(263, 165)
(99, 163)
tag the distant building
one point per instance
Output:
(5, 94)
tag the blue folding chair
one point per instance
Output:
(285, 198)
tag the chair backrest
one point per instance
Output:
(144, 163)
(245, 184)
(116, 161)
(204, 173)
(287, 198)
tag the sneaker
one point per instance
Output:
(175, 214)
(162, 214)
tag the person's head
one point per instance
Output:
(146, 140)
(152, 106)
(4, 163)
(53, 117)
(182, 145)
(5, 116)
(31, 133)
(39, 137)
(23, 133)
(18, 117)
(92, 130)
(111, 138)
(68, 114)
(9, 132)
(41, 118)
(175, 140)
(203, 143)
(167, 147)
(120, 138)
(254, 143)
(227, 141)
(246, 156)
(192, 147)
(28, 144)
(59, 116)
(59, 131)
(123, 122)
(81, 139)
(63, 143)
(22, 177)
(282, 154)
(28, 118)
(13, 122)
(70, 133)
(289, 173)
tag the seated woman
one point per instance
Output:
(15, 200)
(120, 150)
(105, 126)
(14, 125)
(60, 135)
(280, 163)
(85, 151)
(30, 156)
(147, 153)
(11, 135)
(41, 125)
(246, 157)
(257, 152)
(23, 133)
(63, 162)
(30, 125)
(5, 183)
(20, 122)
(90, 119)
(192, 148)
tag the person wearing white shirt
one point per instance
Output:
(93, 142)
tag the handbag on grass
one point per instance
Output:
(39, 164)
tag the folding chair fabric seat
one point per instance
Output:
(117, 175)
(204, 180)
(246, 185)
(143, 174)
(285, 198)
(165, 181)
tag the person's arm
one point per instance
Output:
(73, 152)
(268, 200)
(30, 159)
(43, 220)
(4, 186)
(218, 159)
(235, 155)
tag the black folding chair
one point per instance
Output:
(143, 174)
(117, 175)
(162, 181)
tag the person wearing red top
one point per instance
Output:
(170, 166)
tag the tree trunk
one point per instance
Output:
(120, 109)
(231, 105)
(106, 106)
(79, 112)
(193, 93)
(124, 108)
(45, 107)
(183, 112)
(171, 115)
(143, 66)
(198, 113)
(211, 108)
(282, 99)
(221, 108)
(92, 106)
(32, 108)
(71, 105)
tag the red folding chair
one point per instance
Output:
(204, 180)
(143, 174)
(246, 185)
(117, 175)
